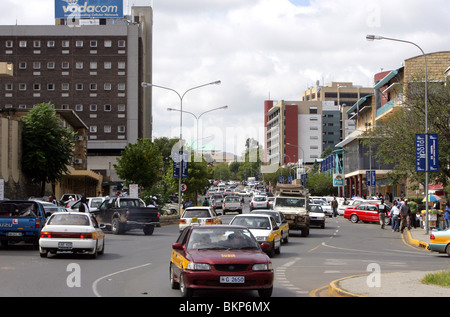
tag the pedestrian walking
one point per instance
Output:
(405, 213)
(205, 202)
(395, 212)
(83, 205)
(413, 221)
(447, 215)
(382, 213)
(334, 205)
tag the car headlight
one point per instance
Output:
(198, 266)
(262, 267)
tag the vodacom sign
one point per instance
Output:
(88, 9)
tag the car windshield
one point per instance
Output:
(69, 220)
(221, 239)
(316, 208)
(235, 199)
(275, 215)
(199, 213)
(252, 222)
(290, 202)
(259, 198)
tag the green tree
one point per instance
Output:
(140, 163)
(47, 146)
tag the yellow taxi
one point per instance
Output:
(264, 228)
(279, 219)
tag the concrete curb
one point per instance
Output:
(417, 243)
(335, 291)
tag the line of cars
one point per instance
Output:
(211, 255)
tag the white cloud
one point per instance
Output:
(259, 48)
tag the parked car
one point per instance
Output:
(220, 257)
(259, 202)
(264, 228)
(325, 206)
(196, 216)
(279, 219)
(92, 202)
(367, 212)
(216, 201)
(317, 215)
(72, 232)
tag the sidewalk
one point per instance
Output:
(393, 284)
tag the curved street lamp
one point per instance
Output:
(181, 96)
(378, 37)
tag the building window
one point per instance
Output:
(121, 129)
(92, 86)
(93, 107)
(65, 65)
(36, 43)
(121, 65)
(65, 44)
(22, 87)
(79, 65)
(23, 44)
(107, 107)
(122, 43)
(108, 65)
(121, 86)
(107, 86)
(93, 43)
(121, 108)
(312, 110)
(36, 65)
(51, 65)
(78, 107)
(79, 86)
(50, 86)
(65, 86)
(36, 86)
(9, 87)
(79, 43)
(9, 44)
(93, 65)
(108, 43)
(107, 129)
(23, 65)
(50, 43)
(93, 129)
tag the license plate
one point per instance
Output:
(65, 245)
(232, 279)
(14, 234)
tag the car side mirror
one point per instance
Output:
(177, 246)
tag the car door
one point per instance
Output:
(360, 211)
(372, 213)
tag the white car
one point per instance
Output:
(92, 202)
(317, 215)
(264, 228)
(72, 232)
(325, 206)
(196, 216)
(259, 202)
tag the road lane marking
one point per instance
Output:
(94, 285)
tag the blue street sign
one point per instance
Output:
(371, 179)
(281, 179)
(182, 160)
(433, 153)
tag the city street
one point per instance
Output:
(135, 265)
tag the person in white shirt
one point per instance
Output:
(395, 212)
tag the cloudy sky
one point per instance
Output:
(263, 49)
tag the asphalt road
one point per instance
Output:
(135, 265)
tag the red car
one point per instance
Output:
(367, 212)
(220, 257)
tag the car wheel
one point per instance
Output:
(148, 230)
(184, 290)
(116, 227)
(94, 254)
(102, 251)
(43, 253)
(265, 292)
(447, 249)
(354, 218)
(173, 283)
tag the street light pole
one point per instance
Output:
(197, 118)
(377, 37)
(181, 96)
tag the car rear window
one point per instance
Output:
(10, 209)
(199, 213)
(69, 220)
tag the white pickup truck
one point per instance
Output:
(232, 203)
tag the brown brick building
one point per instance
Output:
(94, 70)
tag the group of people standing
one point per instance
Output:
(403, 214)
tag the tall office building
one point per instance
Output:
(94, 67)
(344, 95)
